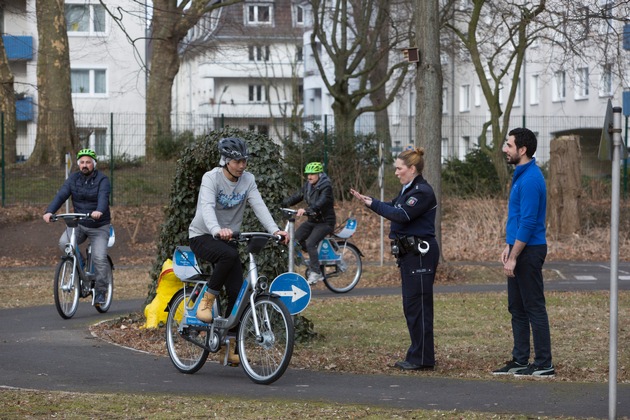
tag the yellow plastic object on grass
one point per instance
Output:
(168, 285)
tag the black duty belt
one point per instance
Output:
(409, 244)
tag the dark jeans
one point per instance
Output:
(526, 303)
(227, 272)
(309, 235)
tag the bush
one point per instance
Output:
(351, 163)
(197, 159)
(475, 176)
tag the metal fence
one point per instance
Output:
(119, 140)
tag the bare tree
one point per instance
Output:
(352, 37)
(495, 37)
(7, 107)
(429, 95)
(56, 131)
(171, 21)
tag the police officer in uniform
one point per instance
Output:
(412, 234)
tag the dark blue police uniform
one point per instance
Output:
(412, 216)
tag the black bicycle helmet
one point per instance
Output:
(233, 148)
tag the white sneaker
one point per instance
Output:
(314, 277)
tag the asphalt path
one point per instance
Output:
(39, 350)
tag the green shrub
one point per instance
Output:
(474, 176)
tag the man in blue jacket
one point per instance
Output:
(89, 190)
(523, 258)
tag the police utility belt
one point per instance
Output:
(409, 244)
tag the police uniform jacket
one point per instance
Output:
(412, 213)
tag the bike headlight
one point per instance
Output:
(68, 249)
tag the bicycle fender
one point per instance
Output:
(342, 243)
(168, 305)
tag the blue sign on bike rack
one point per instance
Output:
(293, 290)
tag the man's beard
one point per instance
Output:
(87, 171)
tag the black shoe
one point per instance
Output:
(511, 367)
(405, 365)
(99, 299)
(537, 371)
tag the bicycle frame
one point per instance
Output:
(219, 326)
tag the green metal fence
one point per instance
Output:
(119, 140)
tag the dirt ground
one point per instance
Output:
(26, 240)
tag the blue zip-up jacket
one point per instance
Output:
(527, 207)
(89, 193)
(412, 212)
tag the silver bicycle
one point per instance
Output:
(265, 327)
(74, 276)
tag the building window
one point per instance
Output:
(518, 97)
(299, 53)
(581, 83)
(258, 14)
(95, 139)
(464, 98)
(85, 19)
(259, 53)
(533, 90)
(559, 92)
(259, 128)
(444, 100)
(606, 16)
(257, 93)
(88, 82)
(298, 15)
(477, 95)
(606, 81)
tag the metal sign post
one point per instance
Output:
(610, 148)
(68, 168)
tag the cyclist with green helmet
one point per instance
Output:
(89, 190)
(317, 192)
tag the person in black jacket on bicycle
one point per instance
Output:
(318, 195)
(90, 191)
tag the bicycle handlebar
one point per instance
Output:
(70, 216)
(245, 236)
(291, 212)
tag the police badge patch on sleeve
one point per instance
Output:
(411, 201)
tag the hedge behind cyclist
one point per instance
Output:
(221, 202)
(89, 190)
(317, 192)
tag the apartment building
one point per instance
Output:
(242, 66)
(107, 71)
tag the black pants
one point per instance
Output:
(228, 271)
(309, 235)
(418, 274)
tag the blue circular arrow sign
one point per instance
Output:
(293, 290)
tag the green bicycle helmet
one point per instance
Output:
(86, 152)
(314, 168)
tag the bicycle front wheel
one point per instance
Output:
(341, 276)
(110, 289)
(184, 345)
(266, 357)
(66, 288)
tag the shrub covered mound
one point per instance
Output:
(202, 156)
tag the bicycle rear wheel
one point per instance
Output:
(110, 289)
(66, 288)
(184, 345)
(341, 276)
(265, 358)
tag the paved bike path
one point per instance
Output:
(39, 350)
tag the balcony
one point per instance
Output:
(18, 48)
(24, 109)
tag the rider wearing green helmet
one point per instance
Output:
(89, 190)
(317, 192)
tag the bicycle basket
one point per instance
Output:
(348, 230)
(184, 263)
(256, 244)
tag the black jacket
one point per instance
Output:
(319, 200)
(89, 193)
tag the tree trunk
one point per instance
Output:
(564, 186)
(429, 97)
(7, 107)
(56, 131)
(379, 96)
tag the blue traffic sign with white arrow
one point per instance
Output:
(293, 290)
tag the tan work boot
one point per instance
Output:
(204, 310)
(233, 358)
